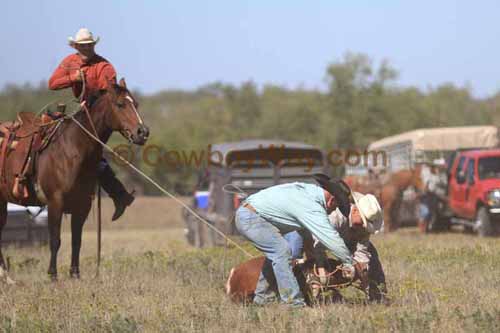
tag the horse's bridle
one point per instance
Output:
(132, 102)
(125, 133)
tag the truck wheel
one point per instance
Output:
(483, 223)
(444, 223)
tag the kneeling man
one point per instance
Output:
(266, 216)
(365, 218)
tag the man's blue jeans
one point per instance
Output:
(295, 243)
(268, 239)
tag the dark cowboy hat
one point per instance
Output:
(339, 189)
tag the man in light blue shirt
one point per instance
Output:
(266, 216)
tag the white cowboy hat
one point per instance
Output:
(83, 36)
(370, 211)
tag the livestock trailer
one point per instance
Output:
(405, 150)
(421, 146)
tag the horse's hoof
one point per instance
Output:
(74, 272)
(53, 277)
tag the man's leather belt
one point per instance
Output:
(249, 207)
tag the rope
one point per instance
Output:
(99, 229)
(84, 107)
(159, 187)
(80, 98)
(328, 276)
(238, 191)
(329, 286)
(65, 101)
(82, 94)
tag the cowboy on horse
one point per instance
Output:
(58, 162)
(86, 73)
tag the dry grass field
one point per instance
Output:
(151, 280)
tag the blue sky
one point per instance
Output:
(184, 44)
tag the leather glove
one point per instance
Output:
(348, 271)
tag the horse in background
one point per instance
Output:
(388, 188)
(65, 171)
(391, 194)
(371, 183)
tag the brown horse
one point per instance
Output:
(388, 191)
(367, 184)
(391, 192)
(66, 170)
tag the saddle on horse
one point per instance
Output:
(25, 137)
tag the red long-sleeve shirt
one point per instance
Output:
(97, 71)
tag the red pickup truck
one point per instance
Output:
(474, 190)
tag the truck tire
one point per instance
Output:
(483, 223)
(444, 223)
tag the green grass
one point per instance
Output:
(151, 280)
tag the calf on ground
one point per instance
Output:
(240, 285)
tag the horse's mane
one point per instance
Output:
(92, 100)
(95, 96)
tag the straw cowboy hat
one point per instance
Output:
(439, 162)
(83, 36)
(338, 188)
(370, 211)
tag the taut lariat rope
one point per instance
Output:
(159, 187)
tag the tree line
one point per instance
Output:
(362, 102)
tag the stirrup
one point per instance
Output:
(20, 190)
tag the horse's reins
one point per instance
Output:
(80, 98)
(83, 105)
(86, 109)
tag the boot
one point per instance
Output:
(115, 189)
(122, 201)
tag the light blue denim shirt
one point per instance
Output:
(295, 206)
